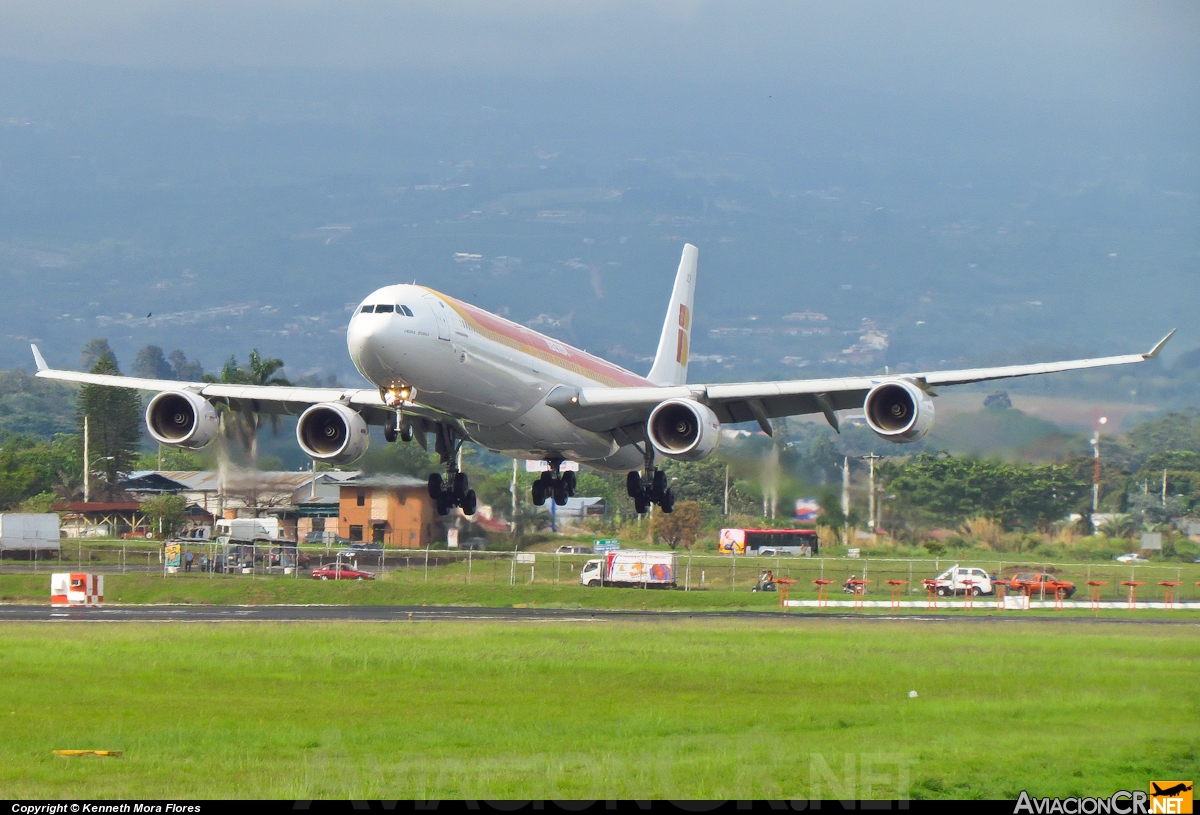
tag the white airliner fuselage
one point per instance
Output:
(490, 372)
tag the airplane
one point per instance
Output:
(442, 367)
(1172, 791)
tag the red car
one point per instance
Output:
(334, 572)
(1037, 582)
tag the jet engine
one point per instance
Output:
(683, 429)
(332, 433)
(898, 411)
(181, 419)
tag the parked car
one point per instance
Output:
(573, 550)
(1132, 557)
(771, 551)
(356, 550)
(343, 572)
(1040, 582)
(288, 555)
(954, 581)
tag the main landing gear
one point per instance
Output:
(554, 484)
(453, 490)
(650, 488)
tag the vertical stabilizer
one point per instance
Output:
(670, 363)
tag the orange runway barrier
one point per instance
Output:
(822, 592)
(896, 584)
(968, 595)
(1133, 587)
(930, 593)
(785, 585)
(1094, 590)
(860, 588)
(1169, 587)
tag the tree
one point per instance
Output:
(239, 419)
(166, 513)
(681, 527)
(30, 467)
(184, 370)
(114, 417)
(151, 364)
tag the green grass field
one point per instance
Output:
(645, 708)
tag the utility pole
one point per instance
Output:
(87, 477)
(871, 497)
(513, 489)
(846, 501)
(1164, 495)
(727, 490)
(1096, 468)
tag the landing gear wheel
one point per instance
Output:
(667, 502)
(641, 504)
(633, 484)
(658, 486)
(406, 433)
(468, 503)
(435, 486)
(443, 503)
(389, 433)
(539, 493)
(461, 485)
(568, 478)
(560, 494)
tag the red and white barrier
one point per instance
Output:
(76, 589)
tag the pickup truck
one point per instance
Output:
(1040, 583)
(954, 581)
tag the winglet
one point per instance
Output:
(40, 360)
(1153, 351)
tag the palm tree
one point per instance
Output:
(245, 422)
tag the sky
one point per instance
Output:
(1034, 49)
(1031, 168)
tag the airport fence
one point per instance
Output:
(695, 572)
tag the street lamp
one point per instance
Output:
(1096, 469)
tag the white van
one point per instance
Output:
(954, 581)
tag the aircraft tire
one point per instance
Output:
(539, 493)
(407, 432)
(641, 504)
(633, 484)
(658, 486)
(667, 502)
(568, 479)
(560, 494)
(435, 485)
(469, 503)
(461, 485)
(389, 433)
(443, 503)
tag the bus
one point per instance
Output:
(779, 541)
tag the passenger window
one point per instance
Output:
(383, 308)
(406, 309)
(367, 309)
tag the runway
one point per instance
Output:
(423, 614)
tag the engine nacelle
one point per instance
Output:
(332, 433)
(181, 419)
(899, 411)
(684, 429)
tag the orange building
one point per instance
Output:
(394, 510)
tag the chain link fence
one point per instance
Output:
(695, 572)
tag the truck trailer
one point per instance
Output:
(25, 531)
(630, 569)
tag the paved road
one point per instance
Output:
(209, 614)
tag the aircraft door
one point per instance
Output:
(439, 314)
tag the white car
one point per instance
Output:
(1132, 557)
(955, 581)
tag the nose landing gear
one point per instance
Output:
(650, 488)
(554, 484)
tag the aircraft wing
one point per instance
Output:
(271, 399)
(608, 409)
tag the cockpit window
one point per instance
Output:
(405, 309)
(366, 309)
(383, 307)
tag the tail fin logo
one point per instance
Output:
(681, 345)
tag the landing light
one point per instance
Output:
(398, 394)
